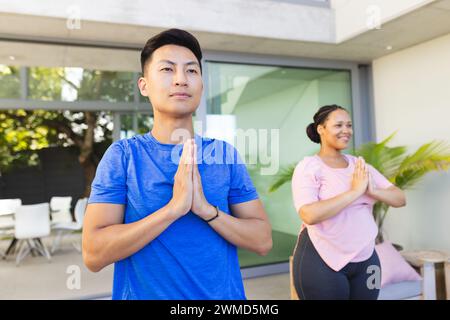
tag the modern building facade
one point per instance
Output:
(268, 66)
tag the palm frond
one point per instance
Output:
(380, 156)
(433, 156)
(284, 176)
(391, 160)
(408, 178)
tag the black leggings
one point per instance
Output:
(315, 280)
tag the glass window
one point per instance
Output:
(143, 98)
(126, 126)
(132, 124)
(9, 82)
(273, 105)
(144, 122)
(77, 84)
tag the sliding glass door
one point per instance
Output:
(265, 110)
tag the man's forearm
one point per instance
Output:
(116, 242)
(251, 234)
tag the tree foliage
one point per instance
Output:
(24, 132)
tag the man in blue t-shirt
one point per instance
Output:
(170, 207)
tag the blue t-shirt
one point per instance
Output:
(188, 260)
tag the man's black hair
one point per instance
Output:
(172, 36)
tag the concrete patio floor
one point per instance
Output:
(36, 278)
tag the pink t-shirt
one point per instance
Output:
(350, 235)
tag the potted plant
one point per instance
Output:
(402, 169)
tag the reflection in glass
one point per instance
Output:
(265, 98)
(9, 82)
(145, 123)
(77, 84)
(132, 124)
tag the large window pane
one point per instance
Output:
(77, 84)
(9, 82)
(132, 124)
(143, 99)
(145, 123)
(258, 99)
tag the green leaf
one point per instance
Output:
(284, 176)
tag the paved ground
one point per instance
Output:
(36, 278)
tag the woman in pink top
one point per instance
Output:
(334, 194)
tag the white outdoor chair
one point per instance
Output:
(66, 228)
(60, 209)
(7, 209)
(31, 223)
(9, 205)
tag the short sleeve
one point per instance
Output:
(241, 185)
(109, 185)
(380, 181)
(305, 185)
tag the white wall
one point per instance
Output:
(256, 18)
(354, 17)
(269, 19)
(412, 95)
